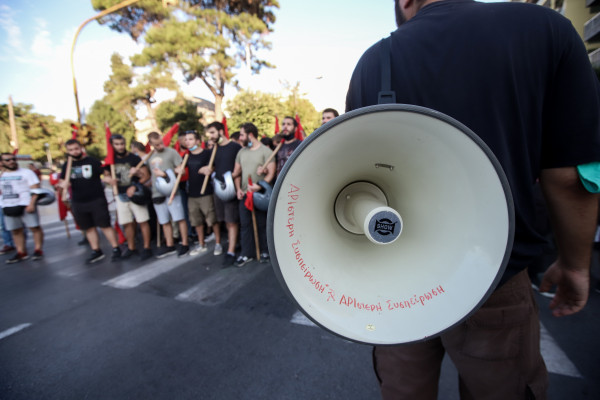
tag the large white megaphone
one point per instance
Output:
(390, 224)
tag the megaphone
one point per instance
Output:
(390, 224)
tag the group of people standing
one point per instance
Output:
(174, 186)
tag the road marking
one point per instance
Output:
(556, 360)
(219, 287)
(148, 272)
(13, 330)
(301, 319)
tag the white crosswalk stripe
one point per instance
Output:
(148, 272)
(218, 287)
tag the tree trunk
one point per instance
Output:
(218, 107)
(152, 116)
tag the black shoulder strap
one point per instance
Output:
(386, 95)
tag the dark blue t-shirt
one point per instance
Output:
(516, 74)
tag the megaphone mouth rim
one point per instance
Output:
(503, 180)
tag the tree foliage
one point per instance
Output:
(33, 132)
(204, 39)
(261, 108)
(124, 90)
(101, 113)
(180, 111)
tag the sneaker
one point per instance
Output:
(264, 258)
(116, 254)
(183, 250)
(96, 255)
(128, 253)
(243, 260)
(228, 260)
(6, 249)
(218, 249)
(146, 254)
(17, 258)
(198, 249)
(209, 238)
(166, 251)
(37, 255)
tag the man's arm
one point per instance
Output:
(270, 172)
(573, 212)
(237, 180)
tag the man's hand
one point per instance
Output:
(159, 172)
(254, 187)
(206, 170)
(62, 184)
(130, 191)
(240, 194)
(110, 181)
(260, 170)
(572, 288)
(133, 171)
(30, 208)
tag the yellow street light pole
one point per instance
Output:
(100, 15)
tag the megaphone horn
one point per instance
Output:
(390, 224)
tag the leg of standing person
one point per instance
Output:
(9, 244)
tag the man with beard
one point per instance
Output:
(288, 134)
(201, 206)
(536, 104)
(19, 208)
(88, 202)
(127, 175)
(227, 211)
(248, 161)
(162, 159)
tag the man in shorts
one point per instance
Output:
(19, 208)
(226, 211)
(201, 206)
(88, 202)
(162, 159)
(126, 175)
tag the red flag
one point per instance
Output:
(110, 154)
(15, 151)
(177, 147)
(203, 145)
(249, 202)
(148, 148)
(74, 131)
(276, 125)
(169, 135)
(119, 233)
(224, 122)
(299, 130)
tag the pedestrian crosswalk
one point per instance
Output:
(210, 286)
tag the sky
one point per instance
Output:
(315, 42)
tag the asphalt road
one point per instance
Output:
(184, 328)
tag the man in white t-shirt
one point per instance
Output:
(19, 206)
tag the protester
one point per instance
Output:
(19, 207)
(252, 156)
(200, 204)
(127, 175)
(88, 202)
(163, 159)
(536, 104)
(226, 211)
(328, 114)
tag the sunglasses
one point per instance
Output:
(9, 159)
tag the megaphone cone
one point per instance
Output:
(390, 224)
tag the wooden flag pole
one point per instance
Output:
(210, 165)
(179, 175)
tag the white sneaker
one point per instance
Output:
(209, 238)
(218, 249)
(198, 249)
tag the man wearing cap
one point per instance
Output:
(19, 207)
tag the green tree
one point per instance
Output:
(256, 107)
(101, 113)
(33, 132)
(124, 90)
(310, 118)
(205, 39)
(181, 111)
